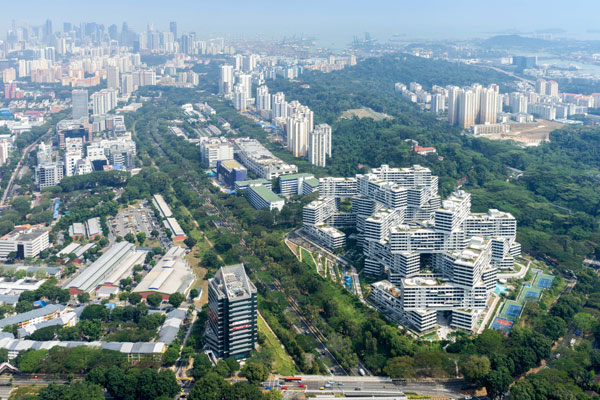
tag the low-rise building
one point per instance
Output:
(261, 161)
(68, 249)
(293, 184)
(230, 171)
(93, 228)
(162, 206)
(77, 230)
(170, 328)
(261, 197)
(67, 318)
(327, 236)
(33, 317)
(170, 275)
(25, 243)
(213, 150)
(94, 275)
(124, 269)
(310, 185)
(140, 351)
(10, 287)
(177, 231)
(244, 185)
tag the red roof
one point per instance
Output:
(421, 148)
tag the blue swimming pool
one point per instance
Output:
(500, 288)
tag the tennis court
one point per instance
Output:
(501, 324)
(543, 281)
(531, 293)
(512, 309)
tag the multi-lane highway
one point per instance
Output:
(337, 386)
(363, 386)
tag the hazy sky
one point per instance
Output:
(330, 20)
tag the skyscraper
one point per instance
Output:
(278, 106)
(299, 124)
(173, 29)
(552, 88)
(263, 99)
(518, 103)
(453, 92)
(79, 102)
(127, 84)
(319, 146)
(466, 108)
(245, 81)
(297, 135)
(487, 109)
(238, 58)
(113, 32)
(186, 44)
(249, 62)
(231, 330)
(540, 86)
(104, 101)
(112, 77)
(48, 29)
(240, 99)
(438, 103)
(225, 79)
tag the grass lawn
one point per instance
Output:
(199, 282)
(151, 242)
(306, 257)
(282, 363)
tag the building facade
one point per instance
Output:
(231, 330)
(441, 259)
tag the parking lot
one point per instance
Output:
(136, 219)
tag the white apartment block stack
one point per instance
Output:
(279, 107)
(225, 79)
(104, 101)
(299, 124)
(518, 103)
(263, 101)
(440, 259)
(240, 97)
(472, 105)
(245, 82)
(319, 146)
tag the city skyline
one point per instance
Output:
(329, 24)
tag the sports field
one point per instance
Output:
(530, 293)
(511, 310)
(502, 324)
(543, 281)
